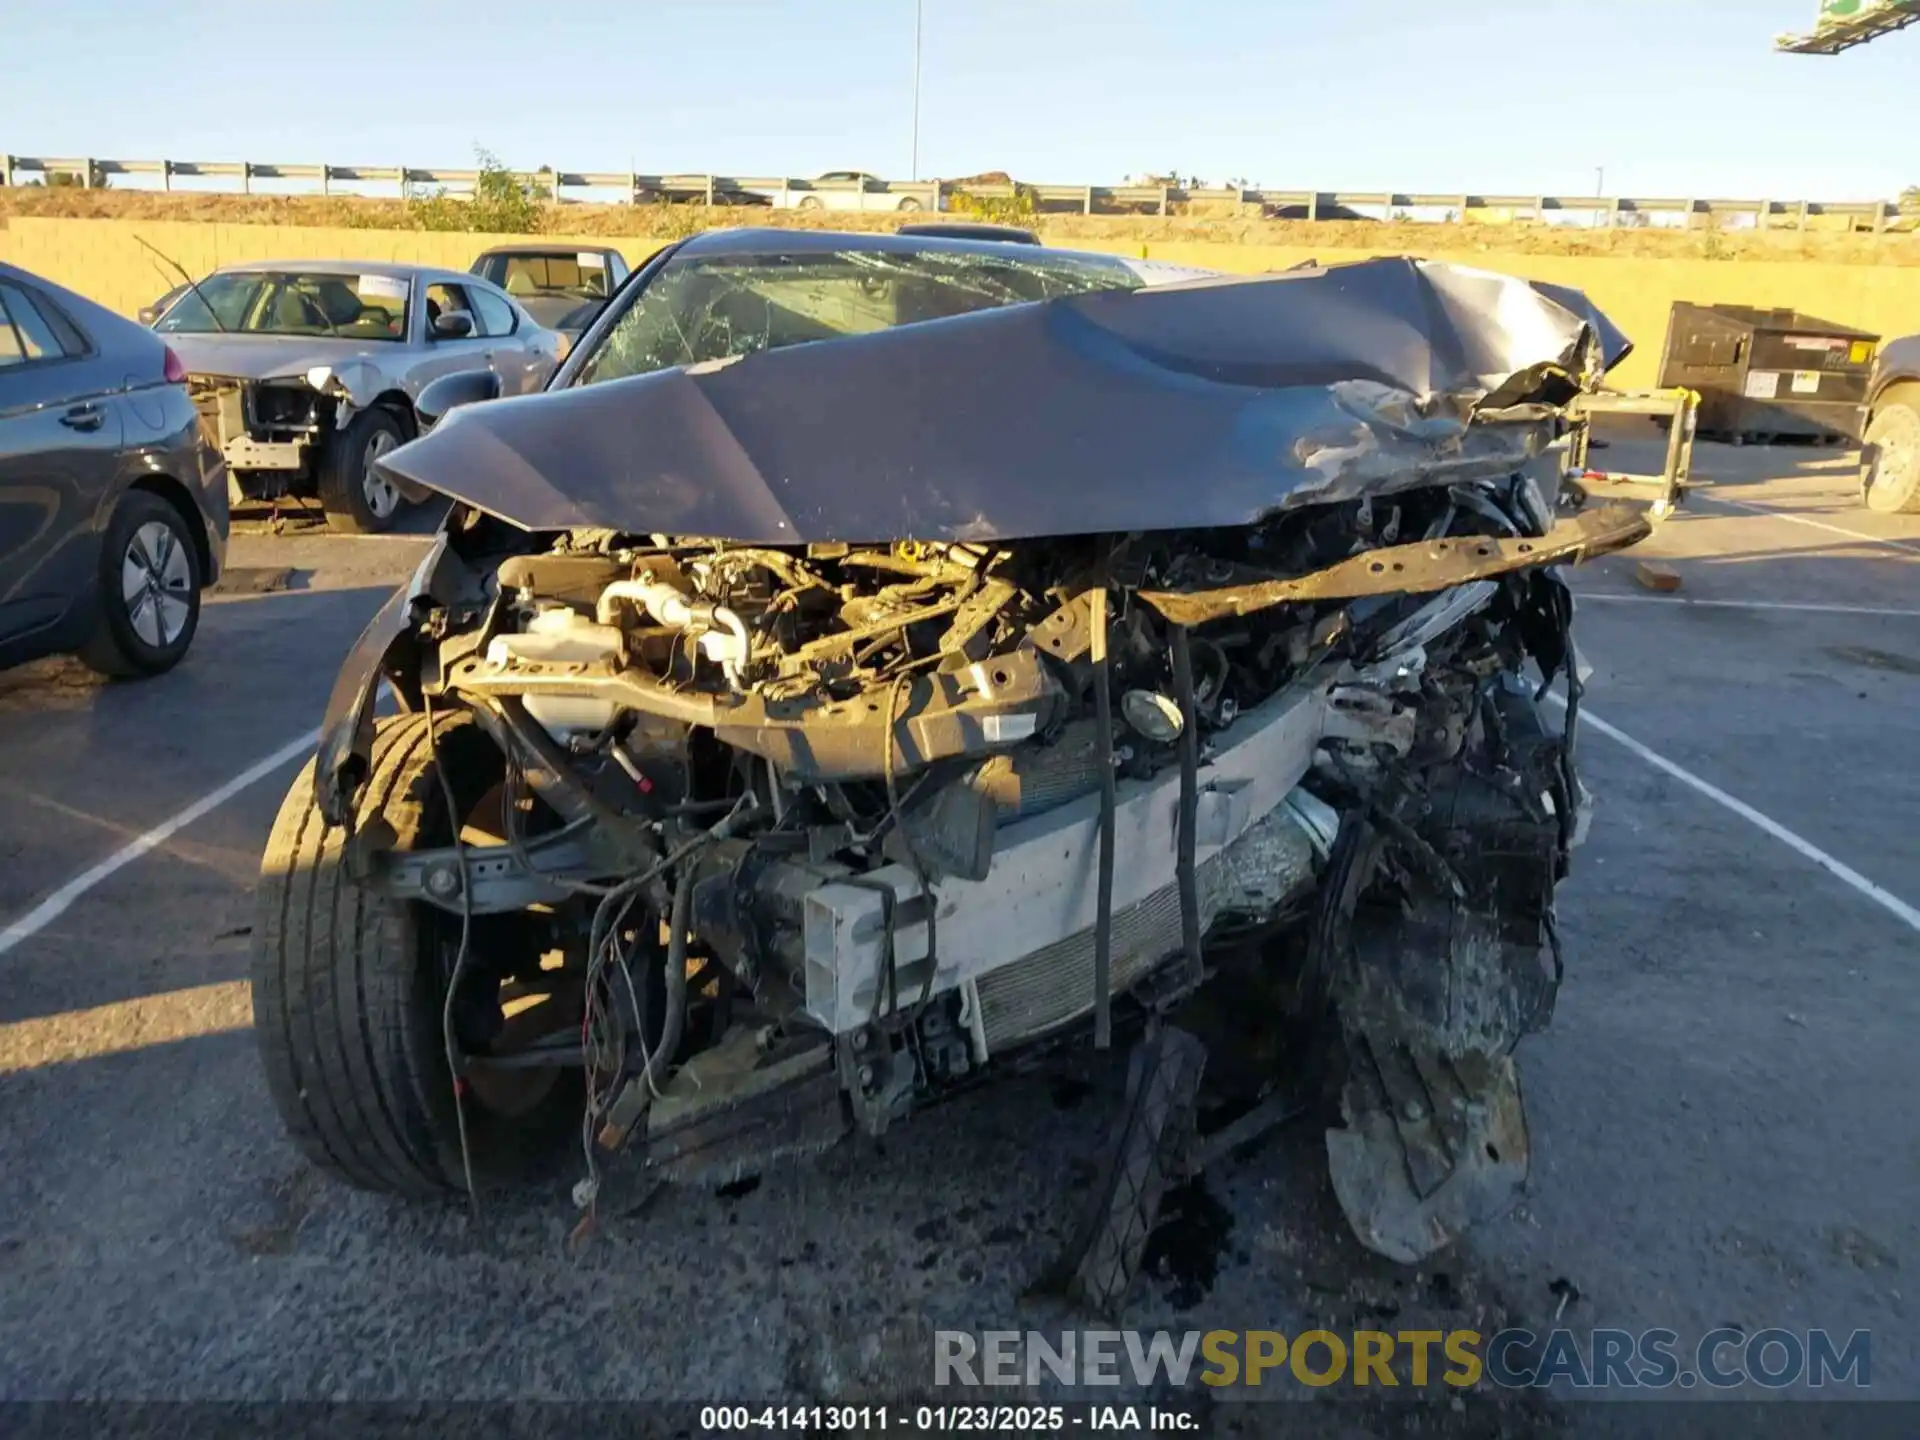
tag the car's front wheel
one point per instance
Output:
(356, 497)
(350, 988)
(148, 593)
(1892, 481)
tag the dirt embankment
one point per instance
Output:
(1833, 246)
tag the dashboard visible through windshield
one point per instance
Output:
(277, 302)
(704, 308)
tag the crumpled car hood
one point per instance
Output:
(266, 357)
(1208, 403)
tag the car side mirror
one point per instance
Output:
(464, 387)
(452, 325)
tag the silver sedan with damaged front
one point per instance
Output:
(881, 661)
(308, 371)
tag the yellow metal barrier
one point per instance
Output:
(1680, 408)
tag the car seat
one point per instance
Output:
(293, 310)
(340, 305)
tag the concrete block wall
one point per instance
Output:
(102, 259)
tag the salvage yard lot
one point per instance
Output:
(1721, 1111)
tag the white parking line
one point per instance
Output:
(58, 903)
(1811, 608)
(1887, 901)
(1809, 521)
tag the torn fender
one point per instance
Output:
(1426, 565)
(384, 649)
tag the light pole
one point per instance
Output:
(918, 5)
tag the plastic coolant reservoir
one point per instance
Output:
(562, 636)
(558, 636)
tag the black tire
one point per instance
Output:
(811, 202)
(1891, 484)
(346, 482)
(118, 647)
(348, 990)
(1151, 1152)
(909, 205)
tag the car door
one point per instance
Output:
(60, 437)
(448, 356)
(522, 365)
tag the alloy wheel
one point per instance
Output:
(383, 497)
(156, 584)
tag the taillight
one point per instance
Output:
(176, 370)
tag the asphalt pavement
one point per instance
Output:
(1723, 1126)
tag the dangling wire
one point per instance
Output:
(887, 760)
(1103, 725)
(1184, 870)
(456, 1064)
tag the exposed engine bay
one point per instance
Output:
(770, 842)
(862, 791)
(269, 430)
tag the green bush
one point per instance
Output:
(502, 203)
(72, 179)
(1016, 209)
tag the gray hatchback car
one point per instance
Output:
(113, 504)
(307, 370)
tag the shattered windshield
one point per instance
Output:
(276, 302)
(704, 309)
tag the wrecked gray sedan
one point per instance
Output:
(879, 660)
(307, 371)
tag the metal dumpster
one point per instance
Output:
(1765, 374)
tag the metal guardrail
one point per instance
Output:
(930, 194)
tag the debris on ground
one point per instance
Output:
(1651, 575)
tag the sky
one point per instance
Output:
(1679, 98)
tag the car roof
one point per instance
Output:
(90, 315)
(972, 230)
(767, 240)
(349, 267)
(555, 248)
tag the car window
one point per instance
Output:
(25, 335)
(71, 341)
(577, 276)
(444, 298)
(700, 309)
(12, 352)
(275, 302)
(496, 315)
